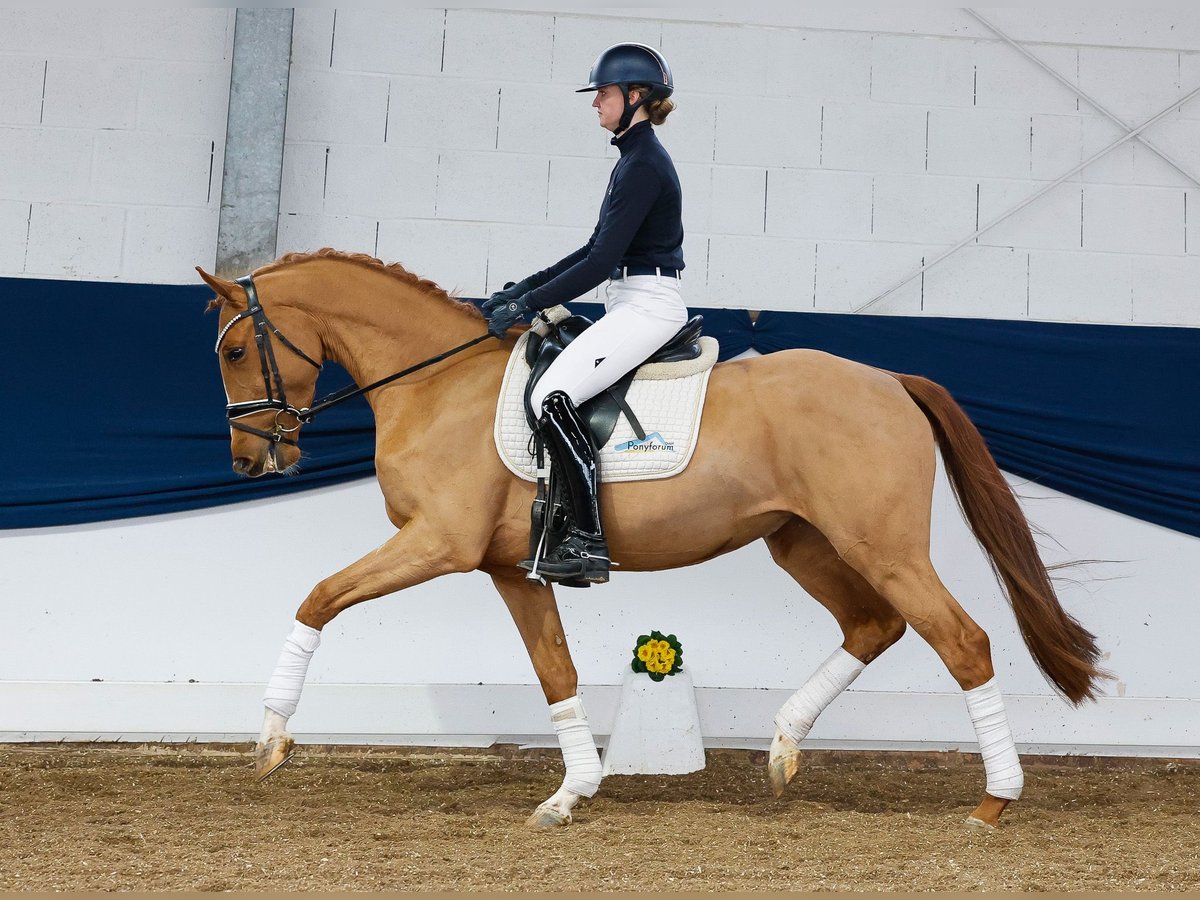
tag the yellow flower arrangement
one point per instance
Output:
(658, 655)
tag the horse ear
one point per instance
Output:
(229, 291)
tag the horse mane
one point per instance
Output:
(395, 270)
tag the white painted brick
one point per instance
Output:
(738, 200)
(981, 282)
(1052, 222)
(696, 182)
(850, 275)
(1192, 210)
(922, 70)
(1166, 291)
(312, 36)
(444, 113)
(46, 30)
(550, 119)
(820, 65)
(819, 204)
(577, 187)
(759, 272)
(498, 46)
(44, 164)
(298, 234)
(517, 251)
(689, 134)
(195, 34)
(874, 138)
(164, 244)
(1079, 287)
(391, 40)
(1163, 26)
(75, 241)
(184, 98)
(1004, 79)
(1133, 219)
(694, 283)
(716, 59)
(979, 142)
(331, 106)
(1057, 146)
(453, 254)
(1115, 166)
(1189, 80)
(1151, 169)
(492, 187)
(578, 40)
(14, 227)
(1134, 84)
(381, 182)
(135, 167)
(763, 131)
(924, 208)
(91, 93)
(1179, 138)
(21, 98)
(302, 186)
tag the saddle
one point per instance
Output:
(602, 412)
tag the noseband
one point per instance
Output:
(276, 396)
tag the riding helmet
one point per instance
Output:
(626, 64)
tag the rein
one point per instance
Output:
(276, 397)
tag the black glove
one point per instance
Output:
(504, 316)
(501, 298)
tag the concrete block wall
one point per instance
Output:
(825, 155)
(112, 133)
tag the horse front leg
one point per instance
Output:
(411, 556)
(535, 613)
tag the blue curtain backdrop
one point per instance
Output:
(114, 405)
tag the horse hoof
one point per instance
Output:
(547, 817)
(270, 756)
(784, 763)
(987, 814)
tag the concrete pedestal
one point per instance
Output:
(657, 728)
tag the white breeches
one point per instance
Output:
(642, 313)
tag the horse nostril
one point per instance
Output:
(242, 464)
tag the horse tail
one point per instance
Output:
(1064, 650)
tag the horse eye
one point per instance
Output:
(233, 354)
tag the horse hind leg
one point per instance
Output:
(869, 626)
(914, 589)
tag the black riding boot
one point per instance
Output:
(582, 556)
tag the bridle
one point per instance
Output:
(276, 395)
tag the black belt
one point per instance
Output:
(622, 271)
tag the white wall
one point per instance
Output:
(112, 136)
(824, 155)
(851, 145)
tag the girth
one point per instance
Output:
(603, 411)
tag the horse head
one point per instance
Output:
(269, 378)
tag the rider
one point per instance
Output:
(637, 247)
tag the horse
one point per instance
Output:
(828, 461)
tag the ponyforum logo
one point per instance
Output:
(654, 441)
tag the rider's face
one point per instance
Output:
(610, 104)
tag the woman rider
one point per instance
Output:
(637, 247)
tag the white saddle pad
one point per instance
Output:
(667, 398)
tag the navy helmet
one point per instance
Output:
(628, 64)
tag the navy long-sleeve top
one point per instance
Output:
(641, 223)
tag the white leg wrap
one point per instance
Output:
(796, 717)
(578, 746)
(1004, 776)
(283, 690)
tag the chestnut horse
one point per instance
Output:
(829, 461)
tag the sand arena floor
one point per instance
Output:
(112, 817)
